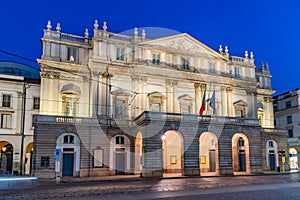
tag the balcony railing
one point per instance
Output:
(54, 35)
(148, 115)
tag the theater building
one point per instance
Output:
(127, 104)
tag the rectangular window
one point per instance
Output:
(120, 140)
(288, 104)
(72, 52)
(212, 68)
(237, 72)
(186, 109)
(119, 109)
(6, 100)
(5, 120)
(290, 132)
(120, 53)
(184, 64)
(275, 108)
(155, 107)
(155, 58)
(289, 120)
(36, 102)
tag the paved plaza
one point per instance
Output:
(132, 187)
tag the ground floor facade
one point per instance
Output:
(152, 145)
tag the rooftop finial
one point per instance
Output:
(220, 49)
(86, 33)
(104, 26)
(96, 25)
(49, 25)
(135, 32)
(58, 28)
(246, 54)
(267, 65)
(262, 64)
(251, 55)
(143, 34)
(226, 50)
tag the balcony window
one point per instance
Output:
(6, 100)
(72, 54)
(155, 58)
(184, 64)
(237, 72)
(120, 54)
(119, 109)
(212, 68)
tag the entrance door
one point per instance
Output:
(120, 163)
(212, 160)
(68, 164)
(272, 161)
(242, 161)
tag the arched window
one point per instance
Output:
(271, 144)
(241, 142)
(68, 139)
(120, 140)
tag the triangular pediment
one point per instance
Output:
(183, 43)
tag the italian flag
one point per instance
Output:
(203, 103)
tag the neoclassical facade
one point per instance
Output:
(126, 104)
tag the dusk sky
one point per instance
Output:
(269, 28)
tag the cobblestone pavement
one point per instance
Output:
(177, 188)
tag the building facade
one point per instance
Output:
(19, 101)
(287, 116)
(117, 104)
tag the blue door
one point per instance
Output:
(68, 164)
(242, 162)
(272, 162)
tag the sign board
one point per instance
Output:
(57, 154)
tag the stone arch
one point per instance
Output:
(28, 159)
(69, 145)
(240, 153)
(120, 154)
(6, 157)
(173, 148)
(272, 155)
(208, 153)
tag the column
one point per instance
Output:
(229, 102)
(175, 104)
(197, 97)
(169, 96)
(223, 101)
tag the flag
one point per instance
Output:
(212, 103)
(202, 108)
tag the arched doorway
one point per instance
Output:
(120, 154)
(28, 158)
(138, 153)
(293, 155)
(240, 153)
(271, 155)
(208, 154)
(6, 157)
(69, 144)
(172, 146)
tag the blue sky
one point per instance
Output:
(269, 28)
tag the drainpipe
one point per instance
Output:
(23, 126)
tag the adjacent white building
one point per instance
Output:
(19, 100)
